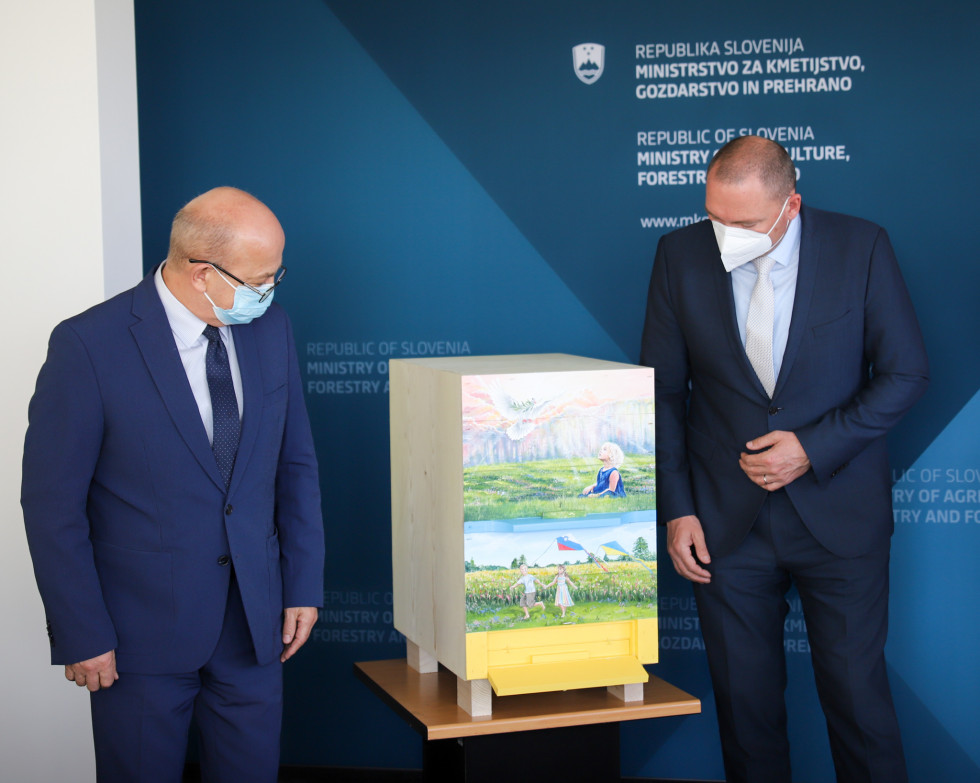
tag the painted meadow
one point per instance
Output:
(551, 488)
(627, 591)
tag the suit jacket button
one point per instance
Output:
(773, 410)
(224, 560)
(228, 510)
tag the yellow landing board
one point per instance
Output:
(541, 677)
(498, 650)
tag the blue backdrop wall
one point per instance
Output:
(449, 183)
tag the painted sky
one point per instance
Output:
(549, 394)
(542, 547)
(548, 415)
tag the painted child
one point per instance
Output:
(563, 597)
(608, 481)
(530, 591)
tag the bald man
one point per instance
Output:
(172, 505)
(785, 348)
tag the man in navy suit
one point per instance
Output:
(172, 504)
(785, 347)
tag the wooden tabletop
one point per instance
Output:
(428, 703)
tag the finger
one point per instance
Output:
(764, 441)
(761, 459)
(304, 626)
(77, 674)
(86, 676)
(289, 627)
(752, 465)
(107, 677)
(302, 634)
(293, 648)
(289, 651)
(693, 572)
(697, 574)
(687, 566)
(701, 548)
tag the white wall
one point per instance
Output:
(69, 233)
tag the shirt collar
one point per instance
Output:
(186, 326)
(788, 250)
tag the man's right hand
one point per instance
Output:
(682, 534)
(95, 673)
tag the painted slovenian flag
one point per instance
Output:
(567, 544)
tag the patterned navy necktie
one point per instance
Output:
(224, 404)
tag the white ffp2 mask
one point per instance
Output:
(741, 245)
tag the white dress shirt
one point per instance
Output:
(192, 345)
(783, 275)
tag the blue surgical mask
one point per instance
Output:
(246, 306)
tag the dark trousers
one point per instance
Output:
(141, 723)
(845, 605)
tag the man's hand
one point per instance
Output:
(296, 629)
(95, 673)
(682, 534)
(780, 461)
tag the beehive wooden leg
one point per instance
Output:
(474, 696)
(420, 660)
(632, 691)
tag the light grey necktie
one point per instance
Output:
(759, 325)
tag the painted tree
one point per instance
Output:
(641, 551)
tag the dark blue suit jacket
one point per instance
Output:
(854, 364)
(127, 515)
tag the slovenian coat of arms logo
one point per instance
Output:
(589, 59)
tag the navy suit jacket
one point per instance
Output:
(128, 520)
(854, 364)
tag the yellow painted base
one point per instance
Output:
(536, 660)
(566, 675)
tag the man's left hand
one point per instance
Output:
(780, 460)
(296, 629)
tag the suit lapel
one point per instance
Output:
(805, 279)
(155, 340)
(250, 367)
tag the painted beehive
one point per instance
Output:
(520, 474)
